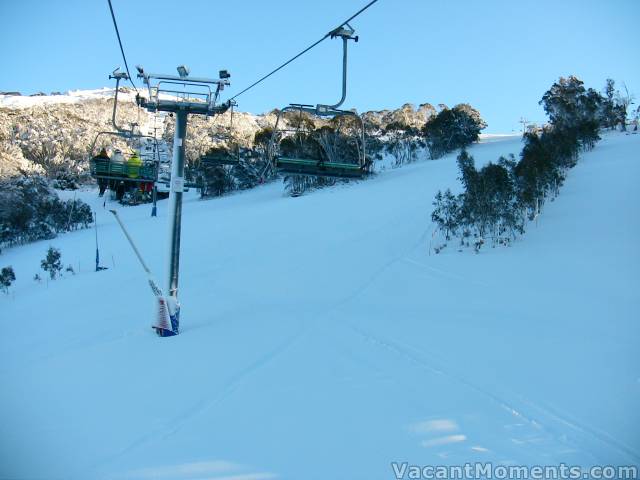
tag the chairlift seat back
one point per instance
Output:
(318, 168)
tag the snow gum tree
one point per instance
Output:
(452, 129)
(498, 197)
(402, 142)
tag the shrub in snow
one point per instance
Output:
(246, 175)
(31, 210)
(7, 277)
(66, 181)
(488, 208)
(51, 263)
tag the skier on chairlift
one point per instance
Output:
(133, 165)
(103, 156)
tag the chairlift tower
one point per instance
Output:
(181, 95)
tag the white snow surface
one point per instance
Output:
(320, 340)
(72, 96)
(77, 96)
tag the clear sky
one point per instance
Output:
(498, 55)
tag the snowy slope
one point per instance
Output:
(321, 340)
(72, 96)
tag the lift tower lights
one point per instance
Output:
(181, 95)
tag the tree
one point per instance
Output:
(497, 197)
(451, 129)
(446, 213)
(245, 175)
(402, 142)
(51, 263)
(574, 110)
(7, 277)
(560, 102)
(623, 101)
(216, 181)
(487, 207)
(615, 105)
(588, 125)
(609, 114)
(261, 141)
(215, 178)
(487, 203)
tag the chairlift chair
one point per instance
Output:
(137, 173)
(323, 166)
(219, 158)
(103, 167)
(117, 174)
(297, 163)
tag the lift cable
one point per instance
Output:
(304, 51)
(124, 57)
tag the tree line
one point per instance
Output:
(499, 198)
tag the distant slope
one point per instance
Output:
(320, 340)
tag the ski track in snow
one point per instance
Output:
(537, 416)
(203, 405)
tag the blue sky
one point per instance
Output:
(499, 56)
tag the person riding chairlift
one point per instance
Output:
(117, 166)
(133, 165)
(117, 157)
(103, 156)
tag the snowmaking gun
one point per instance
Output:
(167, 322)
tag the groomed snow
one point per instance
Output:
(320, 339)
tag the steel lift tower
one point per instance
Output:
(180, 95)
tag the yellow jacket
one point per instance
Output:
(133, 165)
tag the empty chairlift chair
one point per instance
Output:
(336, 152)
(302, 152)
(219, 157)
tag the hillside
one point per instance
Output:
(43, 133)
(321, 340)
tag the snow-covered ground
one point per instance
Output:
(320, 340)
(75, 96)
(72, 96)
